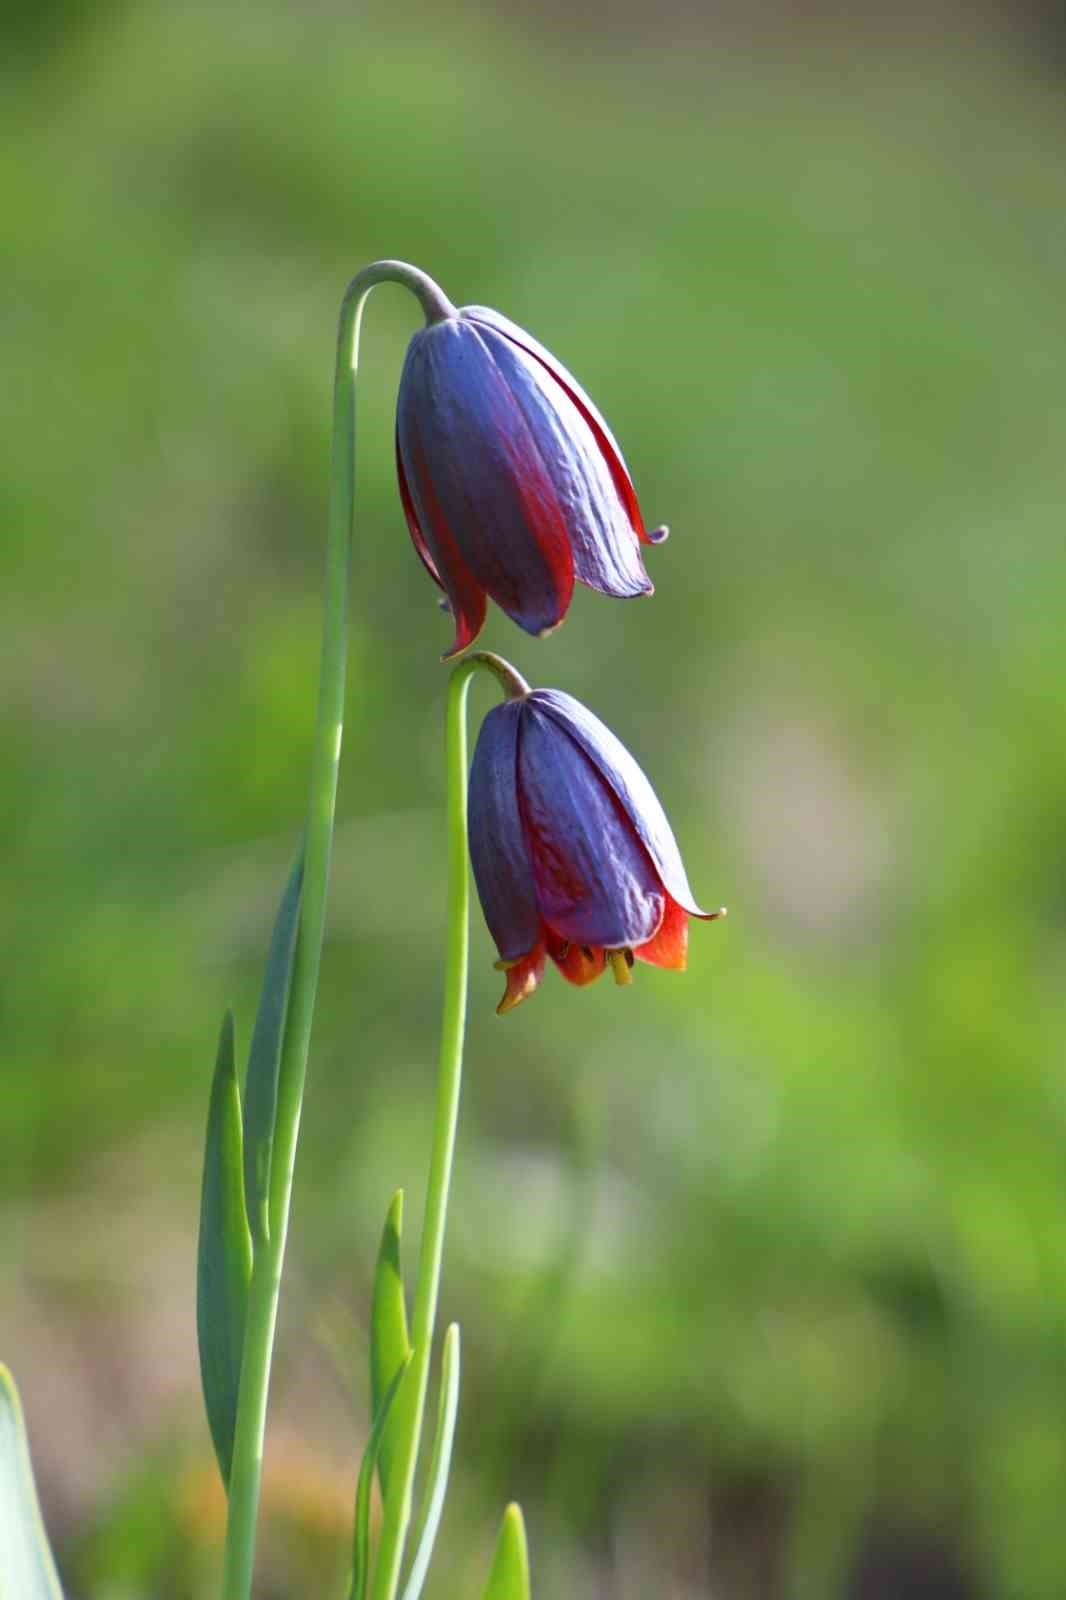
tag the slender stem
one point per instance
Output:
(397, 1514)
(509, 678)
(266, 1271)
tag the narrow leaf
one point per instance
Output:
(440, 1462)
(389, 1344)
(264, 1058)
(27, 1570)
(224, 1260)
(509, 1578)
(361, 1540)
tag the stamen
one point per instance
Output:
(630, 957)
(586, 951)
(563, 951)
(620, 966)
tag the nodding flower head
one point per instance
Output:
(511, 481)
(572, 853)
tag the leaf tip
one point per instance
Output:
(225, 1061)
(509, 1577)
(514, 1524)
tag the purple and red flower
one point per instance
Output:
(512, 483)
(572, 853)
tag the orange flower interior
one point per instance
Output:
(582, 964)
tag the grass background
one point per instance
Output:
(761, 1271)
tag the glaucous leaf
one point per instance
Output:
(264, 1058)
(27, 1570)
(361, 1538)
(390, 1346)
(440, 1463)
(224, 1257)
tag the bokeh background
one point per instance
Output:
(761, 1271)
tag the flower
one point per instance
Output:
(511, 481)
(572, 853)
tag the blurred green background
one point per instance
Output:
(762, 1270)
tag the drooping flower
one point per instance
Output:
(572, 853)
(511, 481)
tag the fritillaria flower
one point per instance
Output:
(511, 481)
(572, 853)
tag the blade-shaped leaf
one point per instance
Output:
(389, 1343)
(509, 1577)
(440, 1462)
(264, 1058)
(361, 1539)
(27, 1571)
(224, 1260)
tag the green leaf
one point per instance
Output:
(27, 1570)
(224, 1258)
(509, 1578)
(440, 1462)
(264, 1058)
(361, 1539)
(390, 1346)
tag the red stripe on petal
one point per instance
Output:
(669, 947)
(468, 624)
(465, 596)
(411, 514)
(542, 517)
(608, 448)
(615, 465)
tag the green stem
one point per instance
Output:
(266, 1272)
(397, 1514)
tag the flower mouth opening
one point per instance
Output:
(579, 964)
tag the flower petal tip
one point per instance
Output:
(523, 977)
(514, 996)
(457, 648)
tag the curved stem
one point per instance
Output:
(266, 1271)
(509, 678)
(397, 1515)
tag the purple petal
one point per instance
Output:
(439, 552)
(627, 781)
(464, 438)
(498, 852)
(414, 528)
(606, 440)
(595, 883)
(605, 548)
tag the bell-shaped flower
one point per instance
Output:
(572, 853)
(511, 481)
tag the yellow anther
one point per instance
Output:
(620, 967)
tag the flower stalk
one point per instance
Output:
(397, 1516)
(244, 1485)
